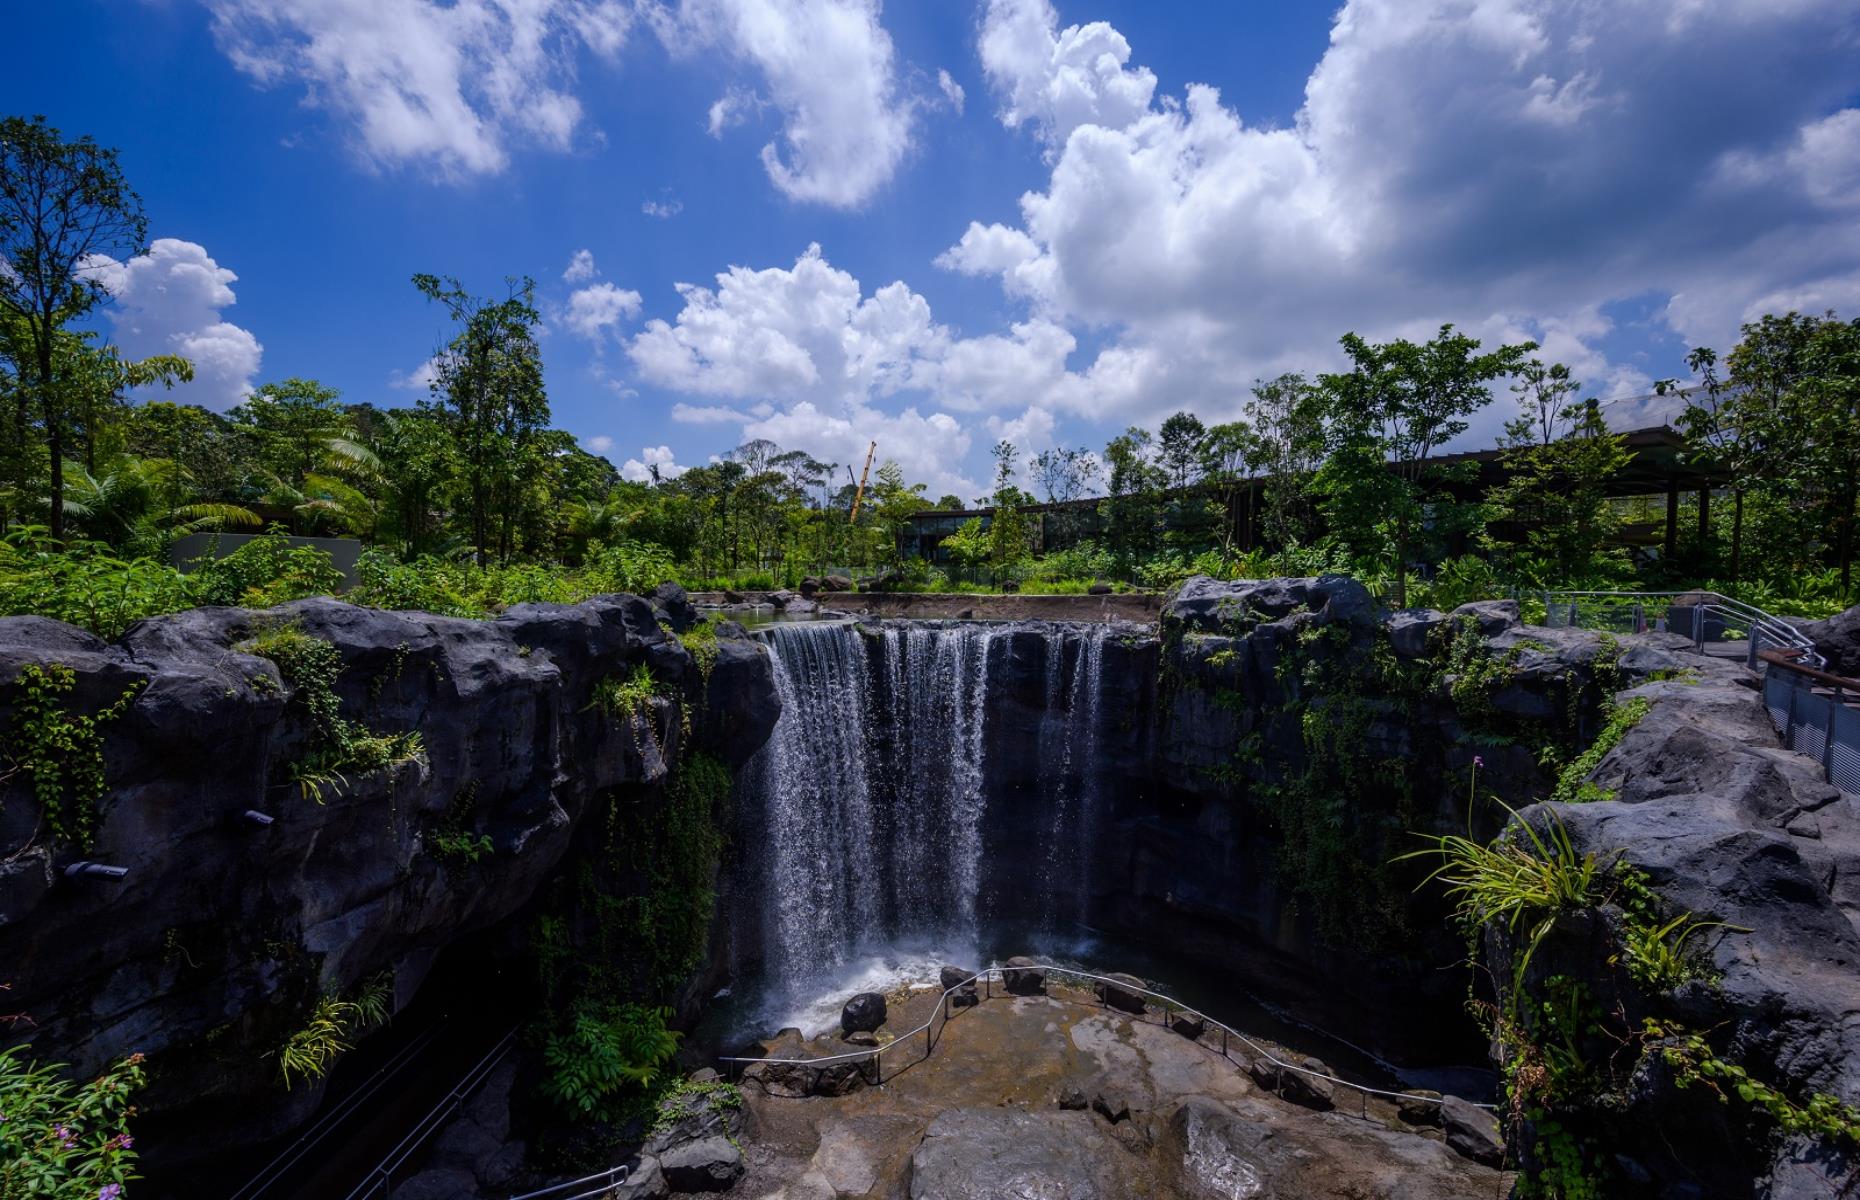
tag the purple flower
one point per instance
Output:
(111, 1191)
(65, 1136)
(1478, 761)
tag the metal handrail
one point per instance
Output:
(1775, 629)
(382, 1177)
(607, 1179)
(1169, 1003)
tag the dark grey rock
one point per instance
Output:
(1838, 640)
(860, 1037)
(1419, 1106)
(439, 1183)
(1072, 1098)
(223, 932)
(644, 1181)
(1412, 629)
(497, 1171)
(1189, 1025)
(1305, 1082)
(671, 604)
(863, 1013)
(709, 1164)
(836, 583)
(1472, 1131)
(1099, 588)
(949, 977)
(1488, 617)
(1021, 977)
(1122, 992)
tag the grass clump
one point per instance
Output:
(339, 747)
(330, 1031)
(1572, 785)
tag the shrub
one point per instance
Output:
(266, 571)
(326, 1036)
(63, 1141)
(608, 1051)
(85, 585)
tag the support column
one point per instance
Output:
(1672, 519)
(1704, 517)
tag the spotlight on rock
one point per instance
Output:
(258, 818)
(80, 870)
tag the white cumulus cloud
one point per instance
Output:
(599, 308)
(829, 68)
(168, 301)
(580, 267)
(449, 86)
(651, 459)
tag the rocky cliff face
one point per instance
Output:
(211, 949)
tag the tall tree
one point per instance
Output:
(488, 385)
(1286, 416)
(1132, 505)
(1389, 415)
(63, 206)
(294, 420)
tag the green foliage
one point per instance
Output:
(65, 1141)
(266, 571)
(628, 699)
(1522, 885)
(339, 747)
(85, 585)
(330, 1029)
(1694, 1062)
(1573, 784)
(686, 1097)
(61, 752)
(607, 1051)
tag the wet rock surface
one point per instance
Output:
(1052, 1095)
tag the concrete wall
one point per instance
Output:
(343, 551)
(1132, 606)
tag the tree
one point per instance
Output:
(1286, 418)
(1225, 453)
(1008, 532)
(893, 504)
(1132, 507)
(1178, 449)
(1389, 415)
(294, 421)
(950, 502)
(1830, 391)
(488, 389)
(63, 206)
(1562, 458)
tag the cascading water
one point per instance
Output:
(870, 791)
(1069, 742)
(867, 805)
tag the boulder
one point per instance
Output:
(860, 1037)
(1472, 1131)
(644, 1181)
(1838, 641)
(1072, 1098)
(1189, 1025)
(782, 598)
(809, 586)
(1099, 588)
(1122, 992)
(1411, 629)
(496, 1172)
(1489, 617)
(836, 583)
(1309, 1085)
(1009, 587)
(1419, 1106)
(863, 1013)
(671, 605)
(709, 1164)
(949, 977)
(801, 607)
(1022, 977)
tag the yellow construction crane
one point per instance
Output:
(859, 492)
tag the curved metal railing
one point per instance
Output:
(603, 1181)
(1169, 1004)
(1643, 612)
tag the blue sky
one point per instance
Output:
(1131, 208)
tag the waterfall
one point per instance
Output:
(1069, 740)
(870, 791)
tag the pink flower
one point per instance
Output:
(1478, 761)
